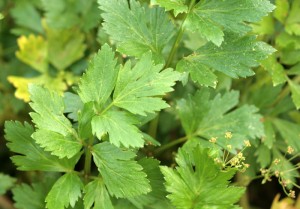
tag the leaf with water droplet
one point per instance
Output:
(235, 58)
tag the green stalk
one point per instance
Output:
(88, 158)
(178, 37)
(153, 124)
(171, 144)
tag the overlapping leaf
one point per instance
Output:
(55, 132)
(198, 182)
(65, 192)
(32, 196)
(134, 89)
(96, 196)
(122, 176)
(209, 117)
(139, 29)
(177, 5)
(235, 58)
(211, 17)
(120, 126)
(31, 155)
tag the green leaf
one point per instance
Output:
(33, 51)
(270, 137)
(100, 78)
(286, 40)
(275, 69)
(210, 18)
(65, 47)
(120, 127)
(31, 156)
(292, 22)
(139, 29)
(235, 58)
(85, 117)
(290, 132)
(81, 13)
(295, 89)
(26, 14)
(123, 177)
(137, 89)
(177, 5)
(282, 10)
(198, 182)
(32, 196)
(73, 104)
(203, 116)
(65, 192)
(263, 154)
(96, 196)
(6, 182)
(55, 132)
(158, 193)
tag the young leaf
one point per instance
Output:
(139, 29)
(32, 156)
(65, 47)
(120, 127)
(22, 83)
(137, 88)
(122, 176)
(33, 51)
(55, 132)
(234, 58)
(96, 196)
(202, 116)
(65, 192)
(6, 182)
(198, 182)
(210, 18)
(100, 78)
(177, 5)
(275, 69)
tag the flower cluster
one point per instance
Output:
(277, 169)
(227, 160)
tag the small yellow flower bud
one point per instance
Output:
(247, 143)
(228, 135)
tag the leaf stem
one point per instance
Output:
(178, 37)
(153, 127)
(171, 144)
(88, 158)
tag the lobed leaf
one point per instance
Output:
(139, 29)
(178, 6)
(235, 58)
(120, 127)
(96, 196)
(198, 182)
(209, 117)
(123, 177)
(31, 155)
(212, 17)
(65, 192)
(55, 132)
(100, 78)
(137, 88)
